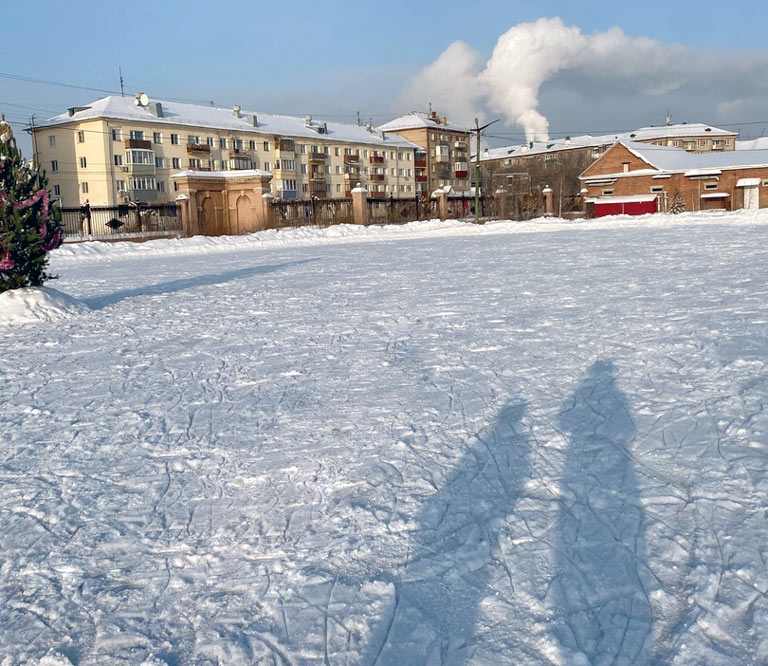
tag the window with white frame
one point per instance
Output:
(84, 188)
(195, 163)
(222, 142)
(175, 139)
(57, 190)
(54, 165)
(193, 140)
(161, 186)
(83, 162)
(266, 145)
(289, 185)
(80, 136)
(157, 137)
(159, 162)
(143, 183)
(176, 163)
(120, 185)
(209, 141)
(52, 141)
(251, 145)
(138, 156)
(118, 160)
(137, 135)
(117, 135)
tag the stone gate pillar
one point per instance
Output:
(360, 205)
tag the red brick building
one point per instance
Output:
(636, 178)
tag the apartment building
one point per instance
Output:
(443, 158)
(121, 149)
(636, 178)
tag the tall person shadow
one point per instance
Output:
(438, 593)
(602, 613)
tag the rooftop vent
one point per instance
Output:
(252, 120)
(72, 110)
(236, 111)
(156, 109)
(369, 127)
(308, 121)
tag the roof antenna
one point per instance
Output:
(669, 118)
(122, 83)
(430, 108)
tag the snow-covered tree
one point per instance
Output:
(29, 226)
(676, 204)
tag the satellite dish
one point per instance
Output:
(144, 99)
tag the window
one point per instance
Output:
(80, 136)
(175, 139)
(120, 185)
(160, 186)
(83, 163)
(607, 191)
(288, 165)
(338, 169)
(400, 156)
(54, 165)
(338, 187)
(304, 187)
(175, 163)
(52, 141)
(117, 135)
(57, 190)
(336, 152)
(408, 156)
(158, 162)
(266, 166)
(401, 172)
(303, 168)
(84, 188)
(194, 163)
(392, 155)
(393, 172)
(289, 185)
(625, 167)
(118, 160)
(365, 153)
(175, 186)
(223, 165)
(237, 144)
(251, 145)
(143, 183)
(137, 135)
(266, 145)
(157, 137)
(139, 156)
(193, 140)
(303, 149)
(710, 186)
(657, 189)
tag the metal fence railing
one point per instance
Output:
(124, 220)
(313, 212)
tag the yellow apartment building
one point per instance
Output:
(125, 149)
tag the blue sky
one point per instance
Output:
(332, 57)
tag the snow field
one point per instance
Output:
(453, 445)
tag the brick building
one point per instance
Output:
(633, 177)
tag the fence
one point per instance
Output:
(122, 221)
(313, 212)
(401, 211)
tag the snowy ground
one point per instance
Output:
(537, 443)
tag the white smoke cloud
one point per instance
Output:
(604, 63)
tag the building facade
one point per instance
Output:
(639, 178)
(121, 149)
(443, 154)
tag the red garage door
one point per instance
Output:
(623, 207)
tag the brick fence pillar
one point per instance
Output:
(549, 201)
(360, 205)
(442, 203)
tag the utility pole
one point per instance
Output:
(34, 141)
(122, 83)
(478, 130)
(358, 119)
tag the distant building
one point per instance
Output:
(633, 178)
(531, 165)
(121, 149)
(443, 158)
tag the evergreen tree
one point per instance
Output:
(676, 204)
(29, 226)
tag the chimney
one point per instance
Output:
(308, 121)
(236, 111)
(369, 127)
(156, 109)
(252, 120)
(443, 120)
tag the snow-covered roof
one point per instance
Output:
(601, 140)
(217, 118)
(417, 120)
(630, 198)
(753, 144)
(677, 159)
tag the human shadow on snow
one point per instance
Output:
(454, 552)
(602, 612)
(181, 284)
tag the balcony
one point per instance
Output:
(317, 157)
(317, 180)
(354, 175)
(143, 195)
(377, 195)
(198, 148)
(351, 159)
(376, 177)
(139, 144)
(420, 164)
(461, 174)
(286, 145)
(460, 145)
(287, 194)
(241, 151)
(376, 159)
(421, 179)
